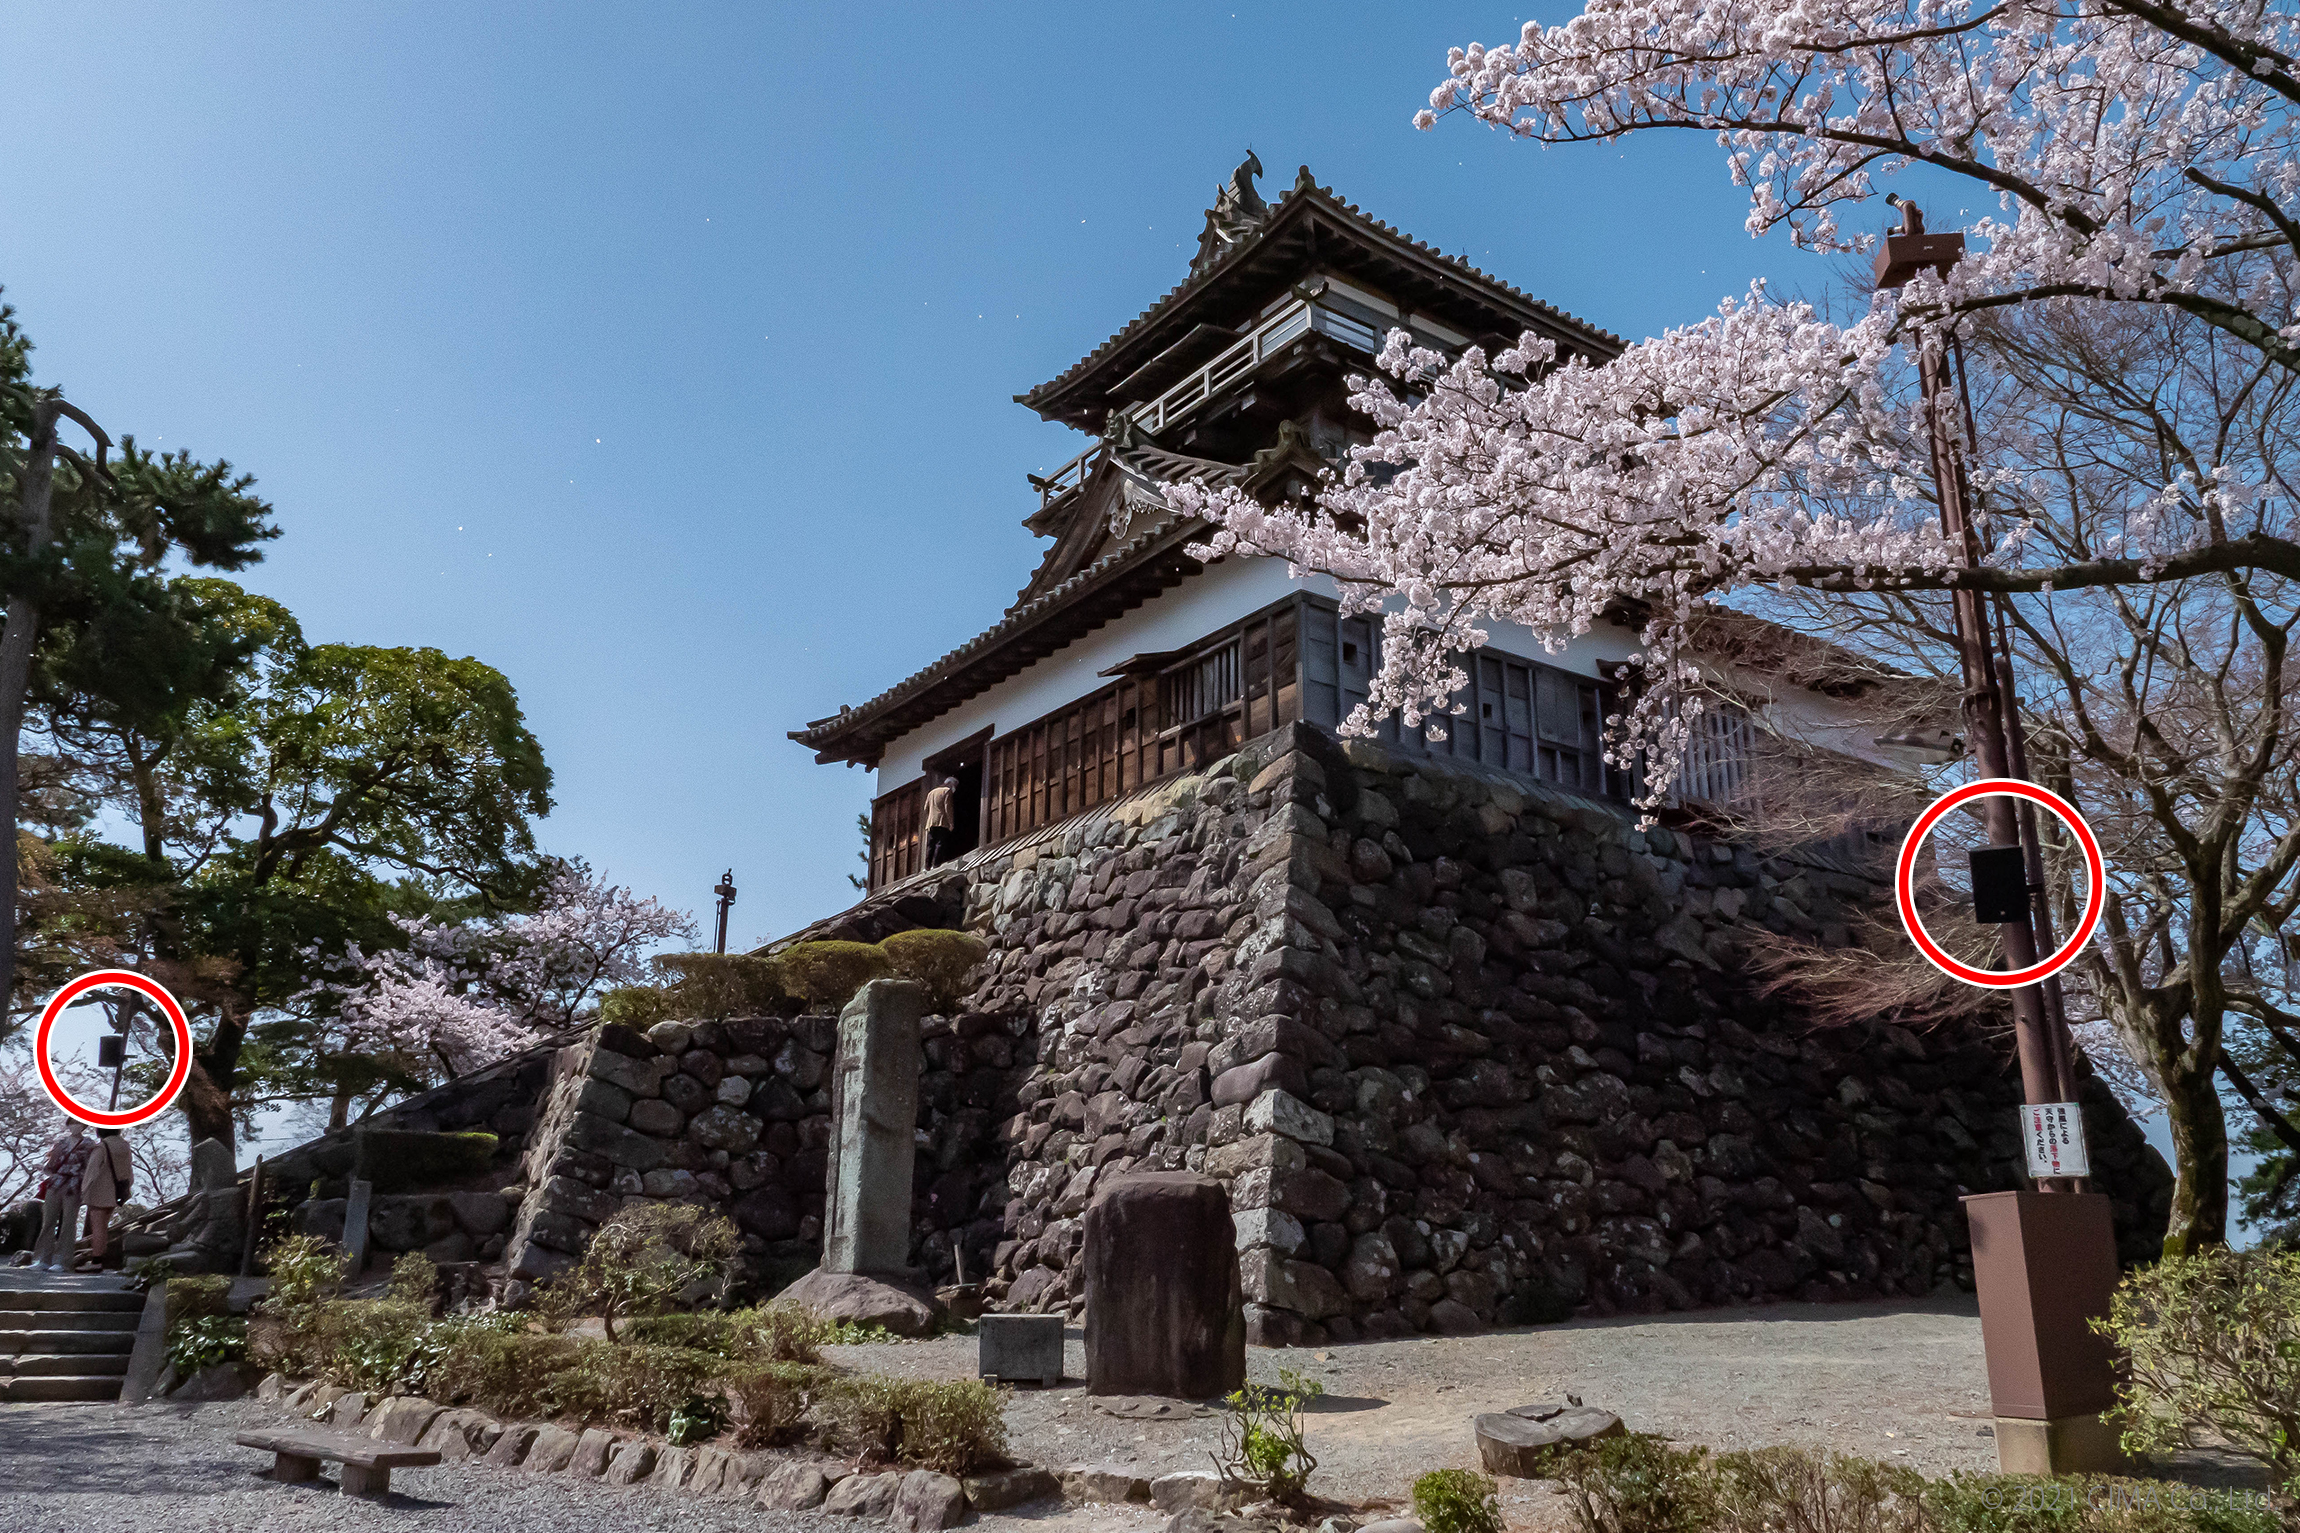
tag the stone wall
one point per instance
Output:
(1464, 1050)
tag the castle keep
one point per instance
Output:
(1466, 1043)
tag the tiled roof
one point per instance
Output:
(1306, 186)
(1143, 464)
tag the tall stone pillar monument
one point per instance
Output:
(874, 1115)
(865, 1276)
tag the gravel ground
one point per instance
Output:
(174, 1469)
(1903, 1380)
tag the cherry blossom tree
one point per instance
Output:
(462, 994)
(2140, 152)
(2132, 145)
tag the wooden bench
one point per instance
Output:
(367, 1466)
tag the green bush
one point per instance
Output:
(955, 1427)
(770, 1401)
(1792, 1488)
(207, 1340)
(508, 1373)
(638, 1007)
(697, 1420)
(1639, 1484)
(2212, 1343)
(642, 1261)
(939, 960)
(414, 1280)
(715, 985)
(829, 973)
(773, 1333)
(629, 1384)
(197, 1298)
(1457, 1501)
(305, 1270)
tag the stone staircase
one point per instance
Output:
(64, 1340)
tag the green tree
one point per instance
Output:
(356, 782)
(82, 543)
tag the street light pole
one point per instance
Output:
(725, 890)
(2044, 1262)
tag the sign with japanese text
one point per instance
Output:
(2055, 1135)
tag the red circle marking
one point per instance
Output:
(2095, 895)
(107, 979)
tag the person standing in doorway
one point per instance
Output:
(67, 1164)
(941, 821)
(103, 1188)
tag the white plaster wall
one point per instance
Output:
(1226, 592)
(1186, 613)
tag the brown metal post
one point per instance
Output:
(2044, 1265)
(1985, 713)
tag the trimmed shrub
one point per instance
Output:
(715, 985)
(414, 1280)
(508, 1373)
(769, 1402)
(642, 1261)
(305, 1270)
(773, 1333)
(941, 961)
(2213, 1345)
(631, 1385)
(1639, 1484)
(638, 1007)
(197, 1298)
(1457, 1501)
(956, 1427)
(1792, 1488)
(829, 973)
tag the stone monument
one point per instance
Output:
(1165, 1314)
(865, 1275)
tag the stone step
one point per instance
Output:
(47, 1343)
(59, 1387)
(76, 1364)
(78, 1300)
(69, 1319)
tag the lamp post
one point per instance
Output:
(725, 890)
(2044, 1262)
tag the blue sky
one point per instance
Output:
(663, 356)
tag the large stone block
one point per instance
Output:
(1164, 1309)
(619, 1145)
(639, 1077)
(874, 1116)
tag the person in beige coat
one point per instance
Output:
(60, 1189)
(103, 1187)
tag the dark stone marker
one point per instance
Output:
(1164, 1312)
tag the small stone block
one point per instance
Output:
(1010, 1487)
(1018, 1347)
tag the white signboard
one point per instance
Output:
(2055, 1135)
